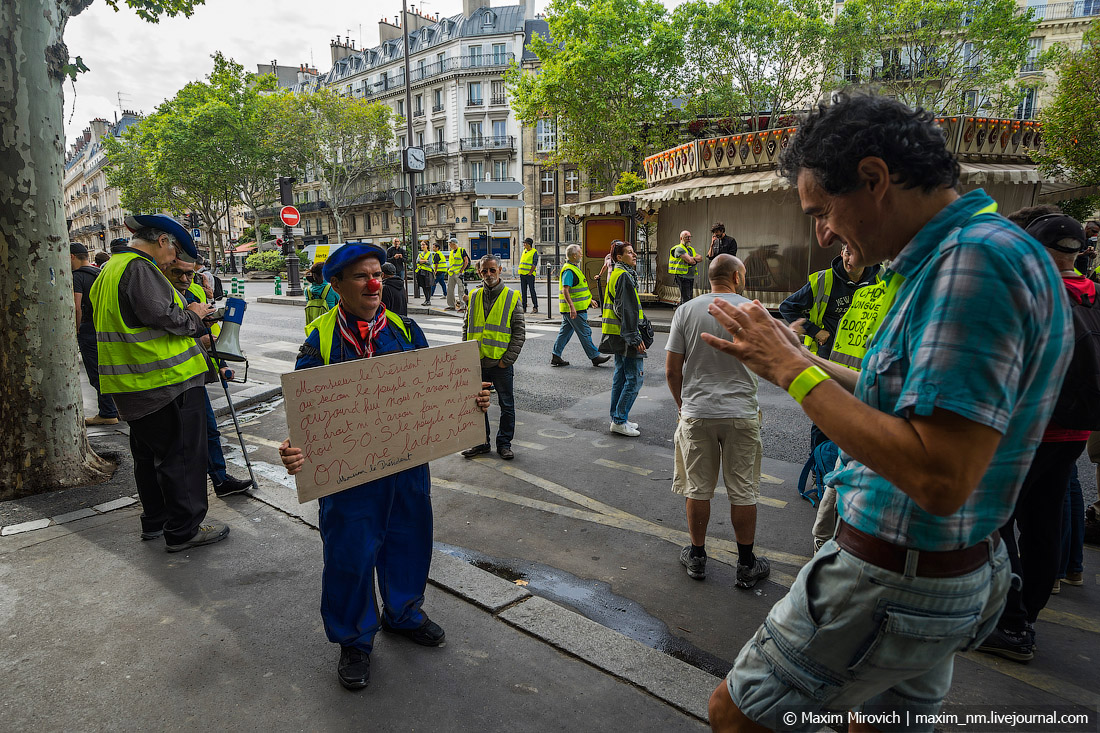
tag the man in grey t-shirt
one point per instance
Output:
(719, 426)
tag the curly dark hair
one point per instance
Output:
(832, 139)
(1023, 217)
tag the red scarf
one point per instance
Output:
(368, 331)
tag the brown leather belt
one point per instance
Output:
(888, 556)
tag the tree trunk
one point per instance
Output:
(44, 445)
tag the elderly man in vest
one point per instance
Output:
(382, 526)
(682, 260)
(574, 299)
(181, 273)
(152, 366)
(493, 320)
(457, 262)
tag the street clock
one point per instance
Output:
(413, 160)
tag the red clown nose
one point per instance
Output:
(374, 286)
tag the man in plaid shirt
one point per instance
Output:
(936, 432)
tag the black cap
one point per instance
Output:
(117, 245)
(1054, 228)
(389, 269)
(76, 248)
(528, 241)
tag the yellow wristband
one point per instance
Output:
(809, 378)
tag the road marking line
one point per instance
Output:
(770, 479)
(1046, 683)
(270, 366)
(261, 441)
(1072, 620)
(281, 346)
(718, 549)
(531, 446)
(768, 501)
(557, 434)
(446, 338)
(623, 467)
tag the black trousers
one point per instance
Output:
(89, 354)
(169, 449)
(527, 282)
(1035, 557)
(687, 288)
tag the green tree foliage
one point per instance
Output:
(754, 58)
(629, 182)
(947, 56)
(342, 140)
(1071, 122)
(606, 76)
(273, 261)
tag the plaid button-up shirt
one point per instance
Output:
(981, 328)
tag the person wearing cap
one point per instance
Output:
(394, 296)
(574, 300)
(382, 526)
(182, 273)
(457, 262)
(119, 245)
(528, 267)
(1037, 520)
(153, 367)
(493, 320)
(84, 276)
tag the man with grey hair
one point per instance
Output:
(457, 262)
(151, 364)
(681, 265)
(718, 427)
(496, 323)
(574, 298)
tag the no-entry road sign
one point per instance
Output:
(290, 216)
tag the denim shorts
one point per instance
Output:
(852, 636)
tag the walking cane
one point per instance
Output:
(237, 427)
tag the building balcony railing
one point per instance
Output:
(1066, 10)
(313, 206)
(439, 148)
(475, 102)
(434, 189)
(465, 185)
(418, 112)
(491, 142)
(1030, 67)
(460, 63)
(498, 99)
(437, 109)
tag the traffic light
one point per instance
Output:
(100, 235)
(286, 190)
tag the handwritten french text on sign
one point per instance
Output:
(361, 420)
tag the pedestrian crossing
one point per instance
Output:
(439, 330)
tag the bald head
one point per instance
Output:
(726, 274)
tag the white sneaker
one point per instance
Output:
(632, 424)
(625, 429)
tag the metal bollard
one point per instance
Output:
(278, 285)
(234, 291)
(240, 293)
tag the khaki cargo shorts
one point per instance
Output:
(704, 444)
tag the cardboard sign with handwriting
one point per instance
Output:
(361, 420)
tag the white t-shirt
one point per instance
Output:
(716, 385)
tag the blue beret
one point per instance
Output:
(348, 254)
(164, 223)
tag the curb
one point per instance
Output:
(248, 397)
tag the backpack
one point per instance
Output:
(1078, 406)
(822, 461)
(219, 289)
(317, 306)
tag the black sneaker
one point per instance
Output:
(477, 450)
(1013, 645)
(557, 361)
(696, 566)
(232, 486)
(354, 668)
(428, 633)
(750, 575)
(208, 534)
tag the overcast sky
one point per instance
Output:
(147, 63)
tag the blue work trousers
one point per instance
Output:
(625, 386)
(440, 280)
(215, 458)
(384, 526)
(578, 325)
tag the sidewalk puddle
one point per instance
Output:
(594, 600)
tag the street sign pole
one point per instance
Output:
(290, 219)
(408, 114)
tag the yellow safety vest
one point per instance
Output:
(454, 266)
(676, 266)
(492, 333)
(579, 293)
(869, 306)
(137, 359)
(424, 262)
(440, 262)
(527, 262)
(821, 292)
(611, 322)
(328, 325)
(198, 292)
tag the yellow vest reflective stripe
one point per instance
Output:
(527, 262)
(454, 265)
(869, 306)
(328, 325)
(138, 359)
(198, 292)
(579, 293)
(424, 262)
(676, 266)
(611, 323)
(439, 262)
(821, 292)
(492, 333)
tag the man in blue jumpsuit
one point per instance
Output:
(382, 526)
